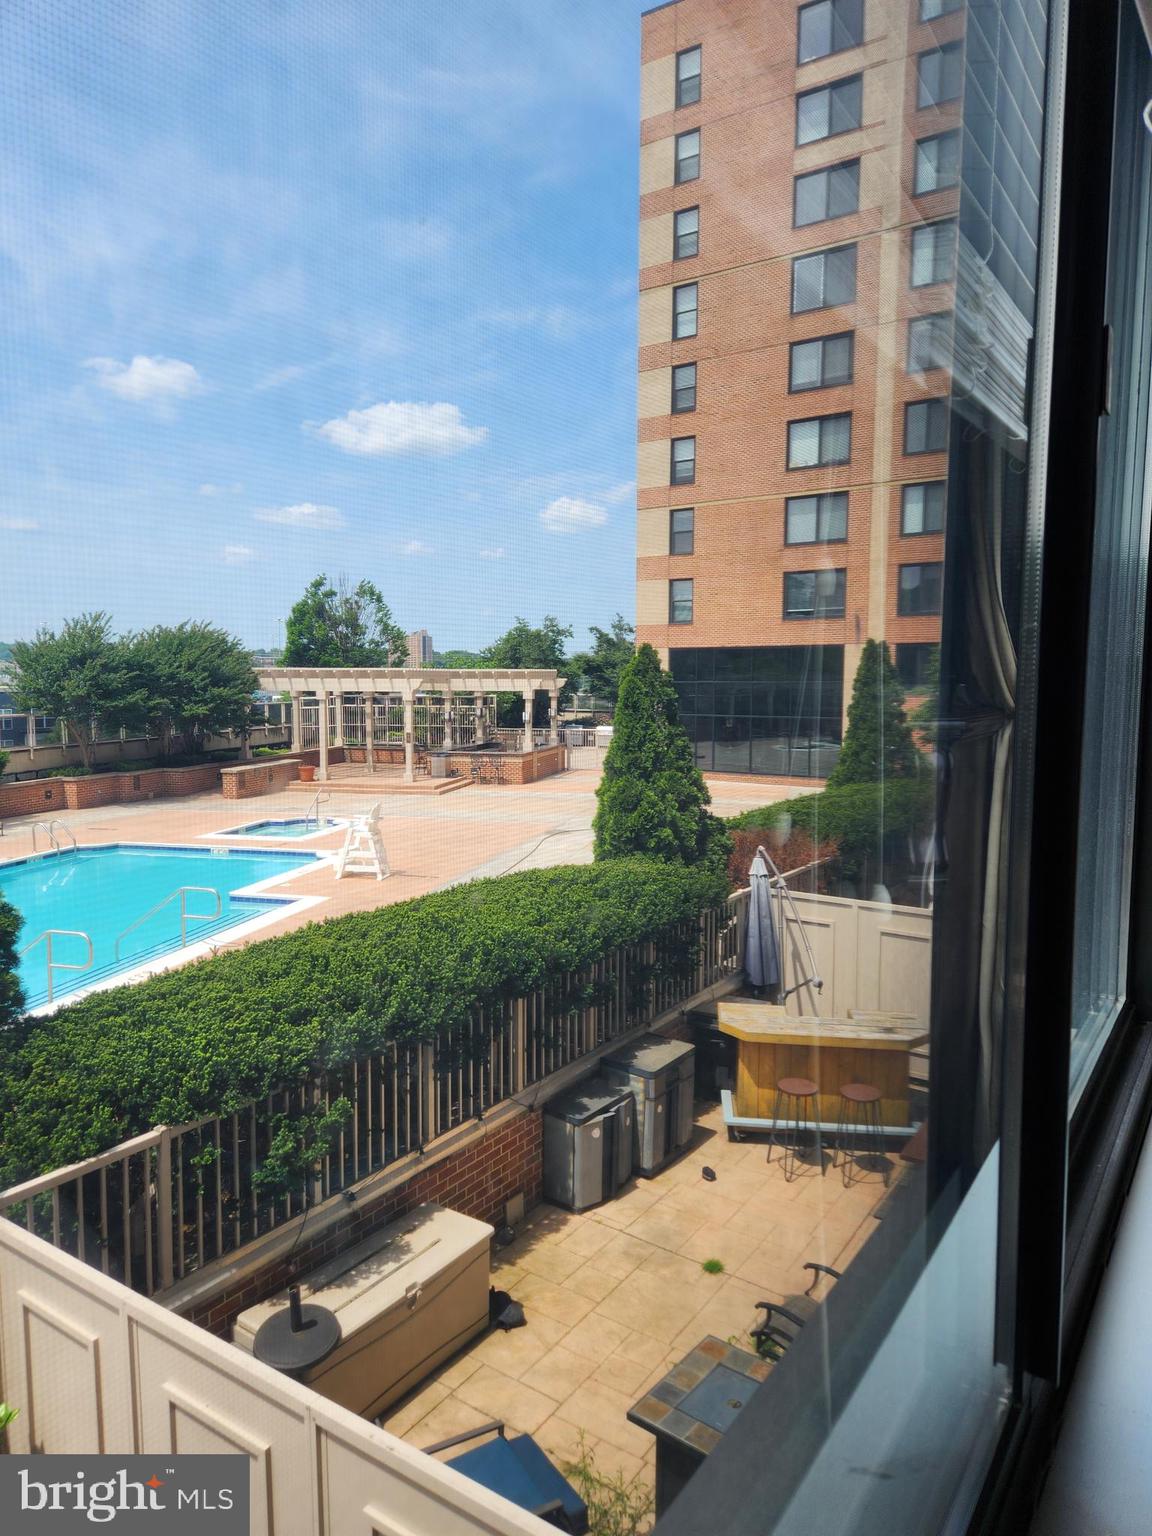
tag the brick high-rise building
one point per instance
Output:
(798, 180)
(420, 649)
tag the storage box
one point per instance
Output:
(406, 1298)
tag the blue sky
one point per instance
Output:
(301, 285)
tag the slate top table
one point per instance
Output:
(869, 1048)
(690, 1409)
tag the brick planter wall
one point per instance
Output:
(80, 794)
(259, 778)
(32, 797)
(478, 1180)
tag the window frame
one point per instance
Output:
(910, 406)
(682, 53)
(827, 172)
(815, 616)
(947, 8)
(833, 6)
(954, 49)
(683, 410)
(673, 478)
(677, 254)
(808, 341)
(673, 532)
(952, 135)
(935, 318)
(919, 565)
(933, 225)
(678, 335)
(681, 581)
(922, 485)
(822, 255)
(680, 160)
(821, 462)
(830, 87)
(820, 497)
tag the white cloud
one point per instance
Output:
(555, 320)
(492, 554)
(286, 375)
(568, 514)
(210, 489)
(237, 554)
(415, 547)
(15, 524)
(403, 426)
(306, 514)
(618, 493)
(144, 379)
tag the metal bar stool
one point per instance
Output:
(858, 1124)
(794, 1096)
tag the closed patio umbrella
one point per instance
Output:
(762, 951)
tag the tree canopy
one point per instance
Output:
(343, 626)
(193, 680)
(11, 992)
(82, 675)
(527, 645)
(600, 669)
(652, 797)
(878, 743)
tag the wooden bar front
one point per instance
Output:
(774, 1044)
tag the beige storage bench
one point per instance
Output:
(406, 1298)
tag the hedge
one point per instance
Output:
(209, 1038)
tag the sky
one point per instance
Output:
(303, 286)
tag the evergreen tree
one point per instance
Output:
(600, 669)
(878, 743)
(652, 797)
(11, 993)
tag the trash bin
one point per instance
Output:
(588, 1143)
(660, 1074)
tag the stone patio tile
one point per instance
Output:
(703, 1200)
(603, 1412)
(623, 1375)
(458, 1370)
(682, 1277)
(514, 1351)
(647, 1304)
(612, 1462)
(730, 1313)
(626, 1207)
(520, 1407)
(591, 1281)
(417, 1405)
(563, 1306)
(728, 1244)
(451, 1417)
(558, 1373)
(506, 1272)
(776, 1266)
(665, 1229)
(622, 1255)
(559, 1440)
(596, 1337)
(587, 1239)
(644, 1349)
(552, 1263)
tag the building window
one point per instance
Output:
(939, 75)
(681, 531)
(919, 590)
(926, 426)
(687, 77)
(816, 519)
(929, 342)
(684, 311)
(937, 163)
(688, 156)
(683, 388)
(820, 440)
(820, 363)
(829, 110)
(683, 470)
(931, 10)
(824, 279)
(922, 507)
(829, 193)
(933, 253)
(915, 665)
(829, 26)
(814, 594)
(680, 601)
(686, 240)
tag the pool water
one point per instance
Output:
(103, 891)
(298, 826)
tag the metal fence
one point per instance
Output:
(158, 1207)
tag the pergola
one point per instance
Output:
(320, 684)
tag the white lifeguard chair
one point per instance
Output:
(363, 852)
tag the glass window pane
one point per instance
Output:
(836, 440)
(807, 283)
(815, 22)
(805, 361)
(840, 278)
(800, 520)
(813, 115)
(838, 360)
(803, 444)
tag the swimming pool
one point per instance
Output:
(287, 826)
(102, 892)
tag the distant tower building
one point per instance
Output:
(420, 648)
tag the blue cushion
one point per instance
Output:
(519, 1470)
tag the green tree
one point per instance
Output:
(599, 670)
(457, 661)
(526, 645)
(878, 743)
(926, 716)
(82, 675)
(343, 626)
(195, 681)
(11, 992)
(652, 797)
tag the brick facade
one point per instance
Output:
(258, 778)
(478, 1180)
(37, 796)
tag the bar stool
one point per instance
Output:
(857, 1125)
(794, 1095)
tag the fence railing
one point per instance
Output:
(158, 1207)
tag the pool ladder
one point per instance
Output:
(182, 891)
(47, 826)
(313, 811)
(46, 938)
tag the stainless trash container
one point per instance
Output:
(661, 1076)
(588, 1143)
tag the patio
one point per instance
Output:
(616, 1296)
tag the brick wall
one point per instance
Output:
(258, 778)
(80, 794)
(478, 1180)
(32, 797)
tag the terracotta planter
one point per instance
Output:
(307, 773)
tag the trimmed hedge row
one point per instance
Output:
(207, 1039)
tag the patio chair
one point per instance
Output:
(520, 1471)
(770, 1338)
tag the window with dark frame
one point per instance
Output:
(824, 279)
(939, 75)
(937, 163)
(688, 156)
(926, 426)
(828, 26)
(932, 10)
(688, 76)
(821, 519)
(683, 388)
(830, 109)
(683, 461)
(914, 664)
(929, 342)
(922, 507)
(919, 590)
(685, 314)
(682, 531)
(832, 192)
(680, 600)
(821, 362)
(933, 255)
(686, 234)
(818, 441)
(814, 594)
